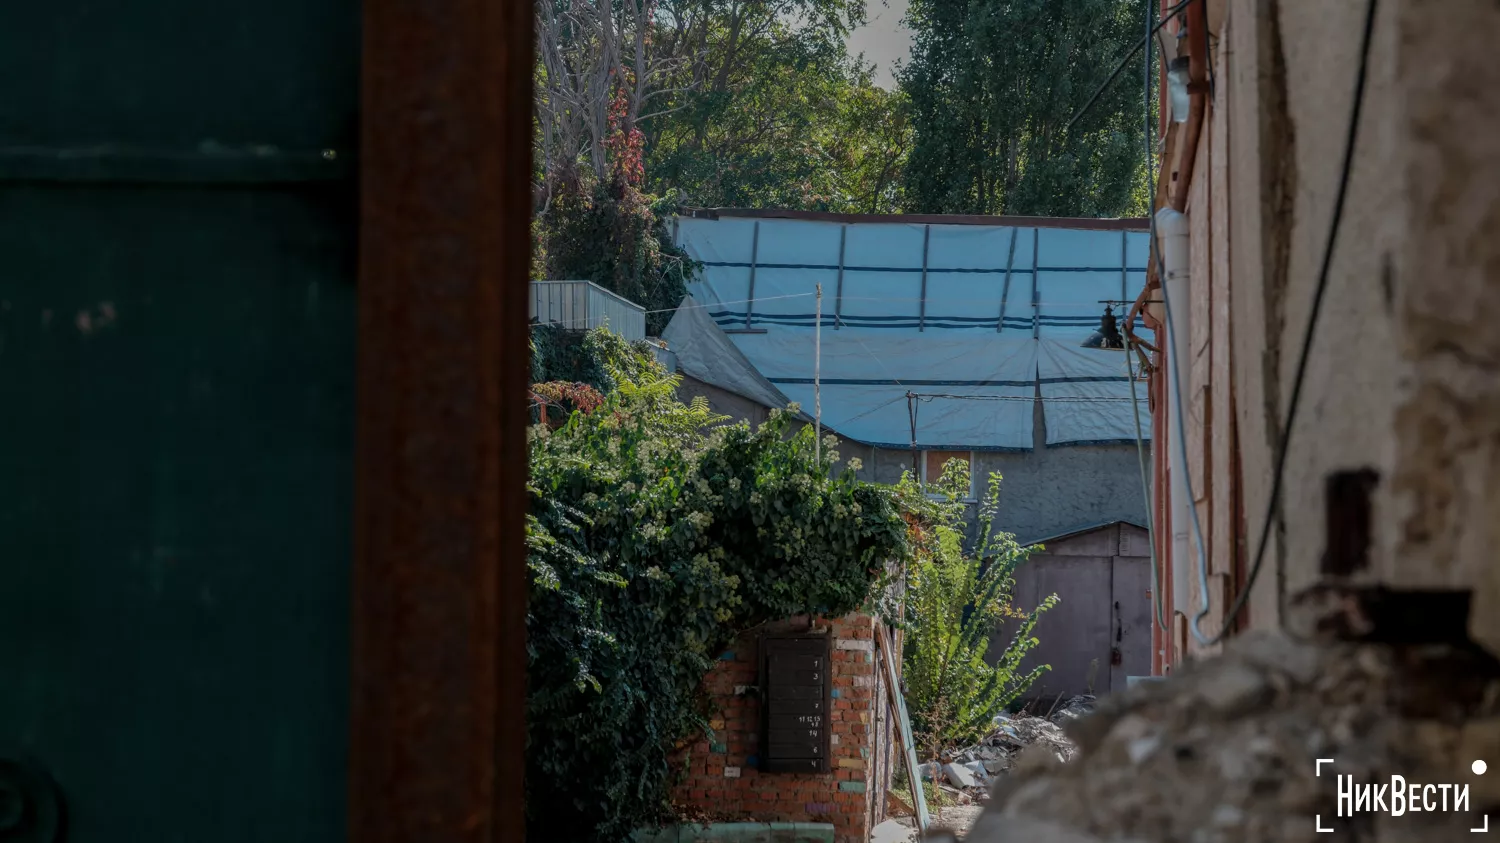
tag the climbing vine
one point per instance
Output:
(656, 534)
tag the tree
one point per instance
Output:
(955, 600)
(993, 84)
(610, 231)
(645, 105)
(771, 111)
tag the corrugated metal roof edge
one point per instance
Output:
(1076, 531)
(1099, 224)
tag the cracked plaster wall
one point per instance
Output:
(1403, 372)
(1292, 70)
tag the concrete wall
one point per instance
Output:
(1290, 93)
(1442, 504)
(1402, 375)
(1044, 492)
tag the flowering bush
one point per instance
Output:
(655, 538)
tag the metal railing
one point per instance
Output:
(583, 305)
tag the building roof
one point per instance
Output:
(975, 318)
(1088, 223)
(1073, 532)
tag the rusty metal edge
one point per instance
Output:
(1099, 224)
(437, 725)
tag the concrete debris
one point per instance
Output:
(974, 768)
(960, 776)
(1225, 750)
(981, 774)
(891, 831)
(1076, 707)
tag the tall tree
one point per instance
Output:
(992, 86)
(769, 110)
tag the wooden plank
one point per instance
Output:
(437, 732)
(1010, 260)
(754, 256)
(913, 776)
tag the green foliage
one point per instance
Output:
(607, 230)
(654, 537)
(774, 113)
(598, 357)
(993, 84)
(955, 600)
(616, 238)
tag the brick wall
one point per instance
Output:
(721, 775)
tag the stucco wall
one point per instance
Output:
(1045, 491)
(1290, 84)
(1402, 374)
(1443, 499)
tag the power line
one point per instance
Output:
(1273, 500)
(1157, 600)
(838, 321)
(1063, 399)
(1144, 43)
(737, 301)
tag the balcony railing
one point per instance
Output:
(583, 305)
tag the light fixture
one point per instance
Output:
(1108, 335)
(1177, 89)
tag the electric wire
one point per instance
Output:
(1158, 601)
(837, 321)
(1061, 399)
(1345, 170)
(1145, 43)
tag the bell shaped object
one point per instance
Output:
(1108, 336)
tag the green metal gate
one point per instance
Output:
(177, 368)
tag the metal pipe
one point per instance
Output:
(1172, 229)
(754, 255)
(818, 379)
(838, 301)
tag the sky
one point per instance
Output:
(883, 39)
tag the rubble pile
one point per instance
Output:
(965, 776)
(1225, 751)
(1013, 733)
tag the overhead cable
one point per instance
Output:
(1273, 500)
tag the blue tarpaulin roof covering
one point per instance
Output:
(976, 319)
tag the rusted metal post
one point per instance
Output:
(437, 720)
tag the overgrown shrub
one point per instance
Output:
(955, 600)
(652, 544)
(589, 357)
(609, 231)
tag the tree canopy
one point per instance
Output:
(992, 85)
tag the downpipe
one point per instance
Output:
(1173, 241)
